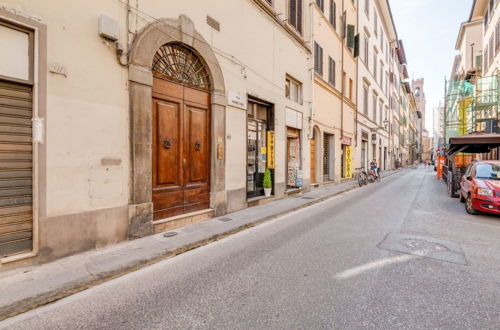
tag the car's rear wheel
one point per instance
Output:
(468, 206)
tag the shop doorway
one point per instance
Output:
(313, 161)
(328, 157)
(258, 119)
(385, 158)
(364, 153)
(293, 157)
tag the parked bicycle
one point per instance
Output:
(361, 176)
(365, 177)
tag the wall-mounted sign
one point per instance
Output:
(293, 118)
(236, 100)
(37, 130)
(346, 140)
(58, 69)
(270, 149)
(348, 162)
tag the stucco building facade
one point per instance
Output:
(334, 91)
(142, 117)
(377, 41)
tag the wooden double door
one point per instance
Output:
(181, 149)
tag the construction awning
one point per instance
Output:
(474, 143)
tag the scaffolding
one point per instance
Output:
(471, 106)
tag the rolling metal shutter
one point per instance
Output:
(326, 157)
(16, 154)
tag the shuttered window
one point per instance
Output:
(331, 71)
(318, 59)
(367, 43)
(16, 221)
(333, 13)
(492, 48)
(321, 4)
(365, 100)
(295, 14)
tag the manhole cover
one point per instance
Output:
(307, 197)
(170, 234)
(422, 246)
(224, 219)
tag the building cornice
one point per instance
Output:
(461, 32)
(325, 85)
(264, 6)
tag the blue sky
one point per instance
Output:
(429, 29)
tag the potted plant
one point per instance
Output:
(267, 183)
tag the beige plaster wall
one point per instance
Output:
(255, 55)
(87, 110)
(327, 97)
(87, 121)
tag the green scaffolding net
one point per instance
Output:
(471, 105)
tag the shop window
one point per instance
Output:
(259, 122)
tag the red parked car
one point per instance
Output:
(480, 187)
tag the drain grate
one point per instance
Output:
(225, 219)
(170, 234)
(307, 197)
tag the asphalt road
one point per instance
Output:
(334, 265)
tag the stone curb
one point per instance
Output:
(89, 280)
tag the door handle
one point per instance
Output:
(184, 163)
(197, 145)
(167, 143)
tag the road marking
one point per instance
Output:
(355, 271)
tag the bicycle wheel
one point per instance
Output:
(360, 180)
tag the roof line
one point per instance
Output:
(392, 19)
(472, 10)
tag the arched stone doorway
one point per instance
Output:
(151, 41)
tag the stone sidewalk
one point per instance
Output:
(27, 288)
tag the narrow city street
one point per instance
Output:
(394, 254)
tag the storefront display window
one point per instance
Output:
(257, 127)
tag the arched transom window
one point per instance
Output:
(181, 65)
